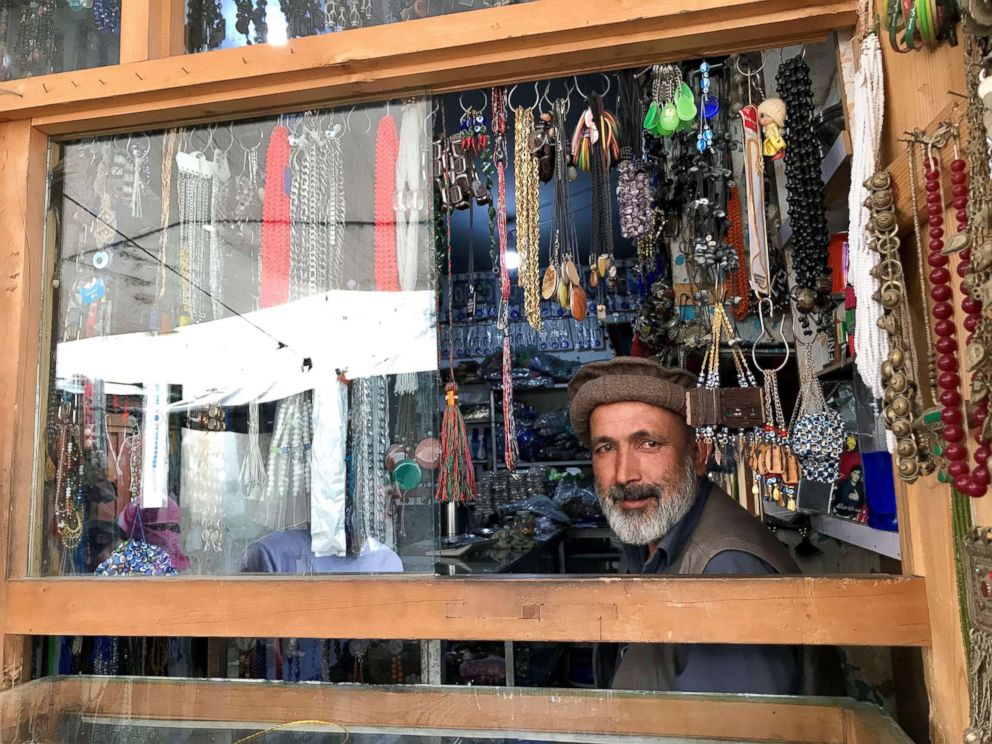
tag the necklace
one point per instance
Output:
(934, 197)
(955, 451)
(503, 315)
(386, 152)
(251, 14)
(903, 413)
(275, 260)
(866, 130)
(411, 193)
(221, 183)
(804, 186)
(195, 174)
(68, 509)
(527, 197)
(370, 440)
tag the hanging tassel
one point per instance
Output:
(456, 481)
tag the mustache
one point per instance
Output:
(634, 492)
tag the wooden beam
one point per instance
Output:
(519, 42)
(457, 710)
(877, 610)
(151, 29)
(23, 192)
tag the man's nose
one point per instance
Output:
(627, 467)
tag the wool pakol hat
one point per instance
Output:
(625, 379)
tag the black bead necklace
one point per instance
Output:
(804, 186)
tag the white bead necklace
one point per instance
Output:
(870, 342)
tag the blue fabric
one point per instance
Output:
(711, 667)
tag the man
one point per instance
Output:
(649, 472)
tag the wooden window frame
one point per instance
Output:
(33, 710)
(544, 39)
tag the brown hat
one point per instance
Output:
(625, 379)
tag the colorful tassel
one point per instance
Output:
(456, 481)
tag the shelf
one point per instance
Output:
(841, 365)
(855, 533)
(549, 464)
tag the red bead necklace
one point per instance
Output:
(974, 482)
(387, 277)
(274, 273)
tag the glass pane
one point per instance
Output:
(92, 709)
(39, 37)
(244, 356)
(218, 24)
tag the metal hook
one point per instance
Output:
(465, 110)
(578, 88)
(764, 332)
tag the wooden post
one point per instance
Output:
(151, 29)
(23, 164)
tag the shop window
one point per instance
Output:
(243, 370)
(215, 24)
(39, 37)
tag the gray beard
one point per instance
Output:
(653, 522)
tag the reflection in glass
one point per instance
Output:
(216, 24)
(245, 354)
(39, 37)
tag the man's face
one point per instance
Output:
(646, 463)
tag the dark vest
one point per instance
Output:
(723, 525)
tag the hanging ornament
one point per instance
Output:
(903, 412)
(759, 267)
(771, 117)
(527, 198)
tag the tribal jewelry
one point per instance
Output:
(817, 431)
(304, 18)
(735, 238)
(195, 174)
(867, 114)
(776, 467)
(165, 279)
(527, 197)
(370, 440)
(902, 414)
(804, 187)
(251, 13)
(275, 260)
(953, 431)
(934, 195)
(411, 192)
(221, 183)
(68, 478)
(205, 27)
(35, 51)
(503, 315)
(386, 152)
(287, 481)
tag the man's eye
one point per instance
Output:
(604, 448)
(651, 444)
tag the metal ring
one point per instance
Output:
(461, 102)
(750, 72)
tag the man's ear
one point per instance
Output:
(703, 451)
